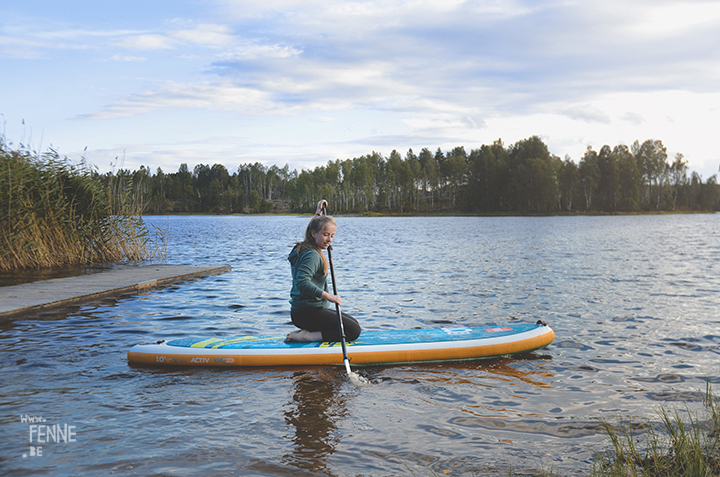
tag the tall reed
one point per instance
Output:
(54, 213)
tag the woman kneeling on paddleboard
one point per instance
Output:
(309, 297)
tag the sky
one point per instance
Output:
(164, 82)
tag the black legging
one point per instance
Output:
(325, 320)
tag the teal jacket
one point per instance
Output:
(309, 279)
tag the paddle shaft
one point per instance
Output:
(341, 327)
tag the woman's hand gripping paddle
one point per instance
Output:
(337, 309)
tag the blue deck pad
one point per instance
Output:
(372, 337)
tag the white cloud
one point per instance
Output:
(147, 42)
(208, 34)
(473, 123)
(587, 113)
(127, 58)
(633, 118)
(441, 123)
(223, 96)
(252, 51)
(675, 18)
(13, 47)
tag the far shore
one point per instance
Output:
(447, 214)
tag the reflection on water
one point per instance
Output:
(633, 301)
(313, 413)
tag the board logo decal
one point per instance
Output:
(499, 329)
(169, 360)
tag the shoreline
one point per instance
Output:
(449, 214)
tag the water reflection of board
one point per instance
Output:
(373, 347)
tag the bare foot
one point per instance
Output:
(303, 336)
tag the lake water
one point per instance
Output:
(634, 302)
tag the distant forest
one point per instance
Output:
(494, 179)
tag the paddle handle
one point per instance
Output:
(341, 327)
(337, 307)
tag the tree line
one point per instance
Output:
(520, 178)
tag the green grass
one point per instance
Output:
(54, 214)
(676, 447)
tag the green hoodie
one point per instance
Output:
(309, 279)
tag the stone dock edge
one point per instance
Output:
(83, 289)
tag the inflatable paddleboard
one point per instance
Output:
(372, 348)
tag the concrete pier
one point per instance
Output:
(36, 296)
